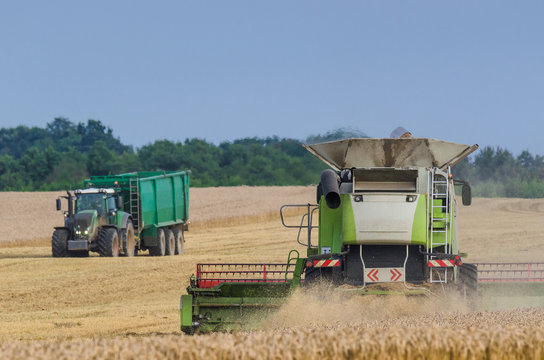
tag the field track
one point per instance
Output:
(95, 307)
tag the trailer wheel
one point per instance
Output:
(170, 242)
(159, 249)
(129, 244)
(59, 243)
(178, 236)
(108, 242)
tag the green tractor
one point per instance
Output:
(387, 223)
(123, 214)
(95, 223)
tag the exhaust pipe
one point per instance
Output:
(331, 191)
(70, 204)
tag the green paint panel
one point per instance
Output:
(186, 311)
(419, 235)
(330, 226)
(348, 224)
(165, 199)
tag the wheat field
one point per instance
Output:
(127, 308)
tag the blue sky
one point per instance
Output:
(464, 71)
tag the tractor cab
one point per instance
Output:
(103, 201)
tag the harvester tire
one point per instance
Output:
(108, 242)
(179, 240)
(129, 244)
(159, 249)
(170, 242)
(59, 243)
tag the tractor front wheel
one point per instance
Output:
(108, 242)
(59, 243)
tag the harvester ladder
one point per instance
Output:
(439, 234)
(135, 203)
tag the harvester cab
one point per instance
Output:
(387, 213)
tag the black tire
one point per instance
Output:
(59, 243)
(129, 244)
(160, 248)
(170, 242)
(179, 240)
(108, 242)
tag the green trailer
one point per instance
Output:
(124, 214)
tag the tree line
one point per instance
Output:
(63, 153)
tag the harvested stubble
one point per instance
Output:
(483, 335)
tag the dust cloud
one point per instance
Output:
(328, 306)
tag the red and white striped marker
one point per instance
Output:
(441, 263)
(326, 263)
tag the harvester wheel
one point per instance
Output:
(108, 242)
(59, 243)
(178, 236)
(159, 249)
(170, 242)
(129, 244)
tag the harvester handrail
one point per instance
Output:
(310, 209)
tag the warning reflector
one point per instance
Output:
(375, 275)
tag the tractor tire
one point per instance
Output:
(170, 242)
(179, 240)
(129, 244)
(160, 248)
(108, 242)
(59, 243)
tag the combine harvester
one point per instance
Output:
(387, 223)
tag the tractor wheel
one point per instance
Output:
(129, 244)
(180, 241)
(108, 242)
(160, 248)
(59, 243)
(170, 242)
